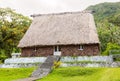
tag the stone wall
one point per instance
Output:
(68, 50)
(83, 61)
(88, 61)
(23, 62)
(105, 59)
(86, 64)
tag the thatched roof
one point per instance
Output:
(61, 29)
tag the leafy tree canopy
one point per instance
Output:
(107, 19)
(104, 10)
(12, 27)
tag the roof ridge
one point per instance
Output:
(61, 13)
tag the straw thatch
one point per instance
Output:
(61, 29)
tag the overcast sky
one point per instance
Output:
(29, 7)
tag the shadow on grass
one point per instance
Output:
(76, 72)
(118, 80)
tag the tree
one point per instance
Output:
(110, 47)
(115, 19)
(108, 33)
(12, 27)
(107, 19)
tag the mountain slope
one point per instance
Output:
(104, 10)
(107, 18)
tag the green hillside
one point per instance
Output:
(107, 18)
(105, 10)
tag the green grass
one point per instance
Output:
(14, 73)
(77, 62)
(65, 74)
(83, 74)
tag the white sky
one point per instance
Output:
(29, 7)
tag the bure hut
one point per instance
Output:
(64, 34)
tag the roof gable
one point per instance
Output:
(61, 29)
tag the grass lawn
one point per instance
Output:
(65, 74)
(84, 74)
(14, 73)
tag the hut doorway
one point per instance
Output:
(57, 50)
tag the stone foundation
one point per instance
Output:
(82, 61)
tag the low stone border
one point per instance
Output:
(83, 61)
(25, 60)
(1, 65)
(107, 59)
(88, 65)
(19, 65)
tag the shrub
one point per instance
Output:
(2, 56)
(111, 46)
(56, 64)
(116, 59)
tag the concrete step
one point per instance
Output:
(40, 72)
(46, 67)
